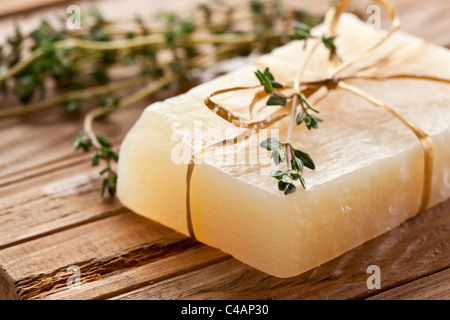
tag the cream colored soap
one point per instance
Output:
(369, 167)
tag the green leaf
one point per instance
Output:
(268, 85)
(104, 186)
(297, 164)
(308, 104)
(277, 174)
(301, 117)
(281, 185)
(271, 143)
(106, 169)
(103, 141)
(301, 31)
(268, 74)
(114, 156)
(83, 142)
(282, 155)
(302, 181)
(301, 35)
(112, 183)
(257, 6)
(95, 158)
(276, 101)
(110, 101)
(290, 189)
(286, 178)
(316, 118)
(105, 151)
(311, 122)
(187, 26)
(276, 84)
(267, 80)
(261, 77)
(295, 175)
(329, 43)
(278, 156)
(305, 158)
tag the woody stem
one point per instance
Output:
(288, 157)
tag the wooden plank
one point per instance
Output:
(31, 141)
(113, 254)
(432, 287)
(125, 280)
(42, 263)
(56, 200)
(415, 249)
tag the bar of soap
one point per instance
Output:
(369, 167)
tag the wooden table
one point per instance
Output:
(52, 218)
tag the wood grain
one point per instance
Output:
(59, 200)
(433, 287)
(105, 251)
(404, 254)
(52, 217)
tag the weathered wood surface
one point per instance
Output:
(52, 217)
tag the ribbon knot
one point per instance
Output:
(332, 82)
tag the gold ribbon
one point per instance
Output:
(332, 82)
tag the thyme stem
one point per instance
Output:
(76, 94)
(22, 64)
(297, 84)
(288, 157)
(126, 101)
(122, 44)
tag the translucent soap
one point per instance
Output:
(369, 166)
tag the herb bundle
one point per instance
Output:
(78, 64)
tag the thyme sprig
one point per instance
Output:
(103, 151)
(296, 160)
(303, 32)
(268, 81)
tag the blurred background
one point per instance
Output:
(425, 19)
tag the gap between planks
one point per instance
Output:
(61, 200)
(118, 254)
(102, 216)
(61, 163)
